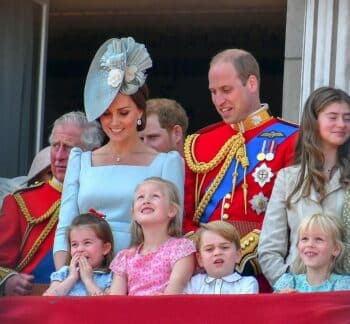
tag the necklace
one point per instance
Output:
(124, 158)
(329, 173)
(121, 158)
(329, 170)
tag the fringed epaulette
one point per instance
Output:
(210, 127)
(287, 122)
(249, 248)
(35, 185)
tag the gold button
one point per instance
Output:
(226, 205)
(228, 196)
(225, 216)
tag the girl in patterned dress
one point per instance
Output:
(159, 260)
(319, 265)
(90, 241)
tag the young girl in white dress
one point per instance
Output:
(159, 261)
(319, 265)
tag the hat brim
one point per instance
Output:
(98, 96)
(40, 163)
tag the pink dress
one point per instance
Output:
(149, 274)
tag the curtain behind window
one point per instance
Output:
(17, 89)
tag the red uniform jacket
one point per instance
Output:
(38, 205)
(206, 147)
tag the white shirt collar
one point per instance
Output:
(229, 278)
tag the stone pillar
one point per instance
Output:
(22, 62)
(293, 60)
(317, 49)
(342, 55)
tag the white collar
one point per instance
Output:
(229, 278)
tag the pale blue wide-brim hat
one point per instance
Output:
(118, 66)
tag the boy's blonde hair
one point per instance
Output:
(328, 224)
(225, 229)
(174, 227)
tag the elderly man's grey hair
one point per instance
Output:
(92, 135)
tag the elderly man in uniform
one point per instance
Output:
(29, 216)
(166, 125)
(231, 166)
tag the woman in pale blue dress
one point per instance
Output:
(319, 265)
(105, 179)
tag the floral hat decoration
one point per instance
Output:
(118, 66)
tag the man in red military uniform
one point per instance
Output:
(231, 166)
(29, 216)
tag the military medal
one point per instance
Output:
(262, 174)
(270, 155)
(261, 155)
(259, 203)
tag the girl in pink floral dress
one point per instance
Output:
(159, 261)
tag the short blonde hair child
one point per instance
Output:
(225, 229)
(328, 224)
(174, 228)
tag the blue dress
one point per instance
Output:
(300, 283)
(110, 190)
(102, 279)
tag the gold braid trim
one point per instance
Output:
(243, 159)
(44, 234)
(202, 167)
(54, 183)
(24, 209)
(236, 144)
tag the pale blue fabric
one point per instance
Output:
(300, 283)
(102, 279)
(234, 283)
(110, 190)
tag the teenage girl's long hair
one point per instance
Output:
(308, 152)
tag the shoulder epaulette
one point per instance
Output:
(288, 122)
(249, 248)
(210, 127)
(35, 185)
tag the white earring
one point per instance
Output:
(139, 122)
